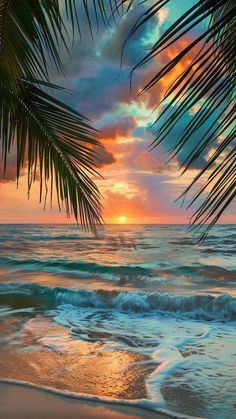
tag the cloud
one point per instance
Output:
(148, 163)
(10, 174)
(92, 70)
(103, 157)
(149, 202)
(175, 134)
(112, 43)
(117, 204)
(121, 128)
(11, 167)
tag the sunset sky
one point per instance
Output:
(137, 184)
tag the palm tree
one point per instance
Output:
(56, 142)
(209, 82)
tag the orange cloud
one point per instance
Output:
(119, 129)
(148, 163)
(117, 204)
(157, 92)
(138, 210)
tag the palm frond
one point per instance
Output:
(33, 34)
(57, 144)
(93, 12)
(29, 40)
(51, 138)
(209, 82)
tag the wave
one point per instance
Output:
(205, 307)
(208, 271)
(79, 267)
(83, 269)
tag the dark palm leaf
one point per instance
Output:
(93, 11)
(209, 81)
(33, 33)
(57, 144)
(53, 139)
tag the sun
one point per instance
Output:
(122, 219)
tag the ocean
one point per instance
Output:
(138, 314)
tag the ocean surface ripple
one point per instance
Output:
(142, 301)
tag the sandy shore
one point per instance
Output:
(66, 363)
(20, 402)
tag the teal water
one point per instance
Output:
(146, 289)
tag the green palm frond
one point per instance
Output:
(33, 34)
(57, 144)
(29, 40)
(93, 12)
(209, 82)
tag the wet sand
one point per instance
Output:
(27, 403)
(46, 355)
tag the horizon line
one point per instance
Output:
(119, 224)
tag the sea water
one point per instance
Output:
(146, 296)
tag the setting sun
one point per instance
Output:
(122, 219)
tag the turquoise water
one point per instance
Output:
(143, 289)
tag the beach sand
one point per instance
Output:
(46, 355)
(65, 363)
(21, 402)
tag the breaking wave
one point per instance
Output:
(205, 307)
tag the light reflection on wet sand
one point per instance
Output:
(37, 356)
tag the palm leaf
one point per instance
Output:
(209, 81)
(32, 35)
(51, 138)
(57, 144)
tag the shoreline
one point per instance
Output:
(27, 401)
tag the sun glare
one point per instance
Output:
(122, 219)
